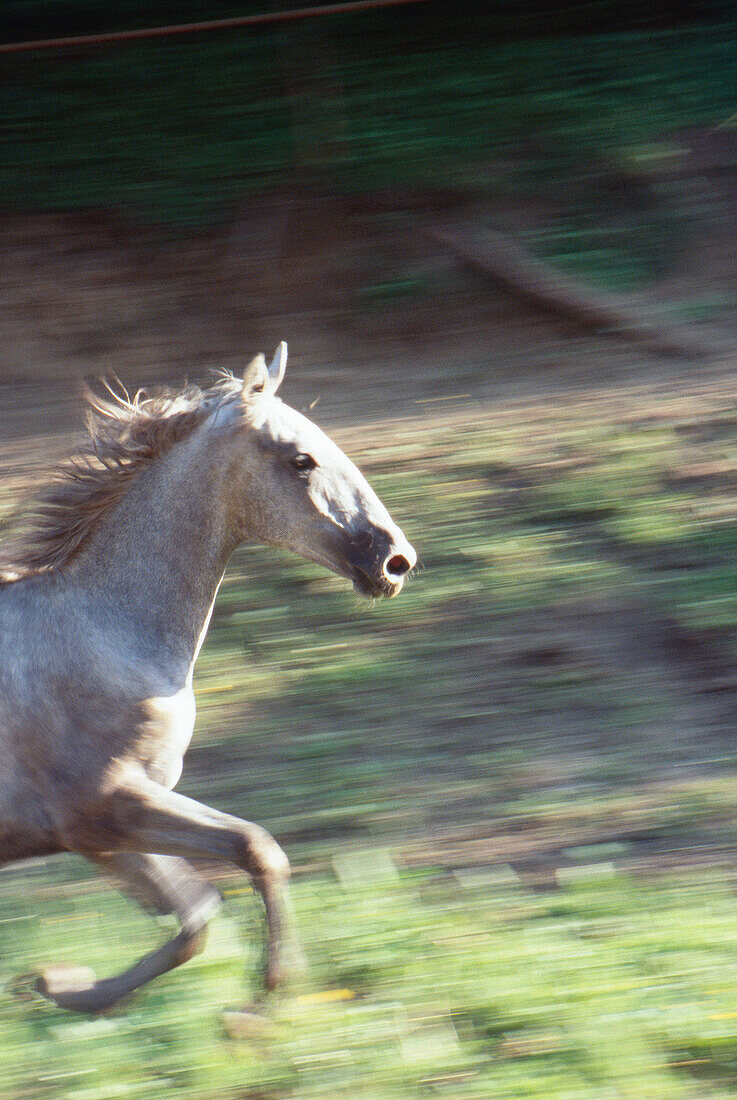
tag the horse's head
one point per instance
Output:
(304, 494)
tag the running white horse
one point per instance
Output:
(105, 599)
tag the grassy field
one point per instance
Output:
(465, 984)
(484, 785)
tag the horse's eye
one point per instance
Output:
(304, 463)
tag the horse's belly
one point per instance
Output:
(166, 733)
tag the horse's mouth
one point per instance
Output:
(374, 587)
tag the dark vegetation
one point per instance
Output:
(181, 129)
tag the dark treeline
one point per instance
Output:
(31, 19)
(430, 95)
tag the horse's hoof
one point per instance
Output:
(57, 982)
(247, 1023)
(22, 987)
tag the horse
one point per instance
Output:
(106, 593)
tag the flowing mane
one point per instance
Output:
(124, 436)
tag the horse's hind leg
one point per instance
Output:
(168, 886)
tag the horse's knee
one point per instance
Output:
(263, 858)
(199, 910)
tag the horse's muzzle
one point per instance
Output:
(384, 577)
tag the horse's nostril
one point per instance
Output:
(397, 566)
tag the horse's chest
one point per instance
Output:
(165, 733)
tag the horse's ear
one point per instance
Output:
(277, 367)
(255, 376)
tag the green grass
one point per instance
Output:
(466, 985)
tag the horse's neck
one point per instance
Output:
(157, 559)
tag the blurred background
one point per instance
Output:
(500, 241)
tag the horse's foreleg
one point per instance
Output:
(146, 817)
(164, 885)
(169, 886)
